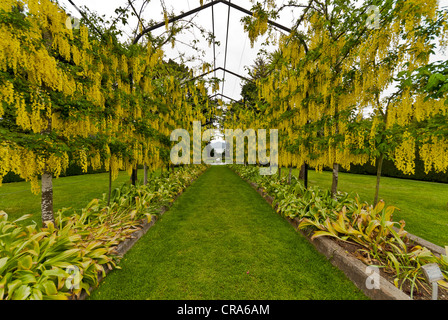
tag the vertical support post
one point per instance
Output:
(305, 176)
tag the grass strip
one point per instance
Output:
(75, 192)
(221, 240)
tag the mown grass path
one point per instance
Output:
(221, 240)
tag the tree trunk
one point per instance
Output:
(303, 175)
(302, 172)
(47, 199)
(134, 176)
(334, 185)
(379, 167)
(47, 188)
(289, 176)
(145, 174)
(110, 186)
(280, 172)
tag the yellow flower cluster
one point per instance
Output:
(405, 155)
(30, 165)
(304, 88)
(40, 54)
(433, 153)
(258, 28)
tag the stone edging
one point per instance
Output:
(128, 243)
(353, 268)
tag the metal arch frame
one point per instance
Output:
(216, 69)
(205, 6)
(198, 9)
(210, 4)
(225, 52)
(222, 95)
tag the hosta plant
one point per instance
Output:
(382, 241)
(61, 260)
(36, 264)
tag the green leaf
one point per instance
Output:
(25, 262)
(57, 272)
(3, 216)
(50, 288)
(26, 276)
(36, 294)
(59, 296)
(318, 234)
(3, 262)
(24, 217)
(434, 81)
(62, 257)
(394, 261)
(13, 285)
(21, 293)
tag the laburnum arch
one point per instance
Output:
(68, 94)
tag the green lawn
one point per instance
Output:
(16, 198)
(222, 240)
(423, 205)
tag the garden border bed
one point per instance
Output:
(123, 247)
(353, 268)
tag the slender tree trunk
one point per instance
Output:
(145, 174)
(302, 172)
(134, 176)
(110, 186)
(280, 172)
(47, 199)
(47, 189)
(289, 176)
(379, 167)
(303, 175)
(334, 185)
